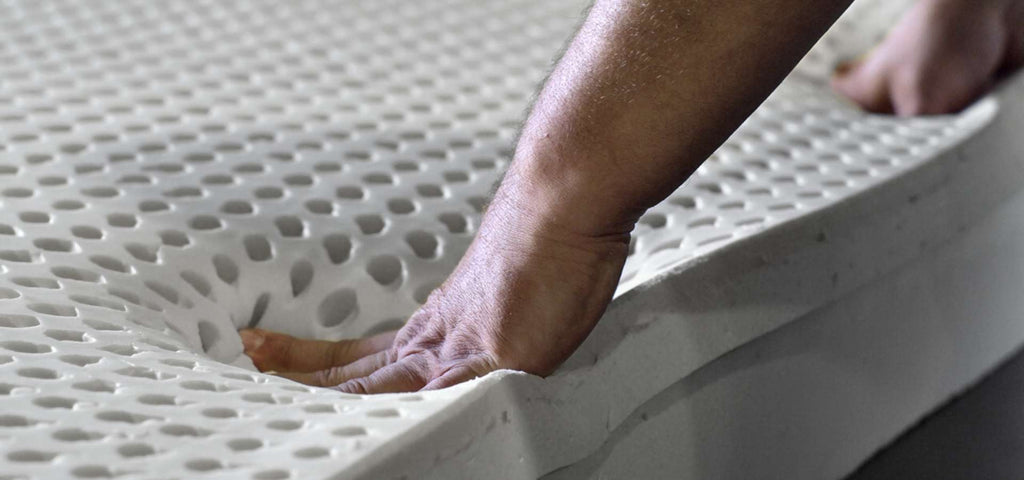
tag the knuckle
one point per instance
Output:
(321, 377)
(414, 369)
(330, 376)
(338, 352)
(356, 385)
(391, 355)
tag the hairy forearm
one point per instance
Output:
(645, 92)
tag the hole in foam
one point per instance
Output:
(338, 307)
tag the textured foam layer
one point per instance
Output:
(171, 172)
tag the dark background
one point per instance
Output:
(978, 435)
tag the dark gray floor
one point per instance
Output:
(979, 435)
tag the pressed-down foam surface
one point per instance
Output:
(173, 171)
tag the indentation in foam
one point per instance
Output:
(173, 171)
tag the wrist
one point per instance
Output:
(530, 211)
(571, 190)
(523, 226)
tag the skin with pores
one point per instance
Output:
(646, 91)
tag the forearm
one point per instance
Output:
(645, 92)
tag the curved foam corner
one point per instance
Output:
(174, 171)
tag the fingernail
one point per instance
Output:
(251, 339)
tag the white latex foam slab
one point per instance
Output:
(173, 171)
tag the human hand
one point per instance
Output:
(524, 296)
(940, 57)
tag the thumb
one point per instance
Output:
(285, 353)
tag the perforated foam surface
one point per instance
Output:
(173, 171)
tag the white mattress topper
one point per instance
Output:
(173, 171)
